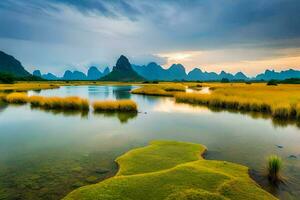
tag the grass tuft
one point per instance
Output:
(151, 90)
(63, 103)
(160, 89)
(3, 96)
(16, 98)
(274, 167)
(115, 105)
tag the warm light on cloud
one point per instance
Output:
(185, 57)
(250, 61)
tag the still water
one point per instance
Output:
(45, 155)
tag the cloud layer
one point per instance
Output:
(248, 35)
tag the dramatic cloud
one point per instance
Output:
(248, 35)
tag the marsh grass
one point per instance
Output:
(3, 96)
(274, 166)
(152, 90)
(24, 86)
(63, 103)
(160, 90)
(281, 102)
(173, 87)
(115, 105)
(16, 98)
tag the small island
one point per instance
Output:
(173, 170)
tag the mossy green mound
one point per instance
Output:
(173, 171)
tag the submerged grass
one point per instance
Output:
(281, 102)
(274, 168)
(115, 105)
(168, 170)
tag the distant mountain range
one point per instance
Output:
(93, 74)
(153, 71)
(124, 71)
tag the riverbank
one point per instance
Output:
(173, 170)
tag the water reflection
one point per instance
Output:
(201, 90)
(66, 113)
(123, 117)
(169, 105)
(3, 106)
(122, 92)
(95, 92)
(277, 122)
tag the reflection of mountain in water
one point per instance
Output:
(3, 106)
(96, 92)
(122, 92)
(65, 113)
(122, 116)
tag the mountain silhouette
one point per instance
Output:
(106, 71)
(10, 65)
(176, 72)
(50, 76)
(37, 73)
(94, 73)
(153, 71)
(75, 75)
(271, 74)
(123, 72)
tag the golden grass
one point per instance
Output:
(172, 87)
(64, 103)
(280, 101)
(24, 86)
(152, 90)
(117, 105)
(165, 89)
(298, 111)
(3, 96)
(16, 98)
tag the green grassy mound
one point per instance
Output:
(173, 171)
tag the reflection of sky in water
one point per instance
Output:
(29, 137)
(204, 90)
(170, 106)
(91, 92)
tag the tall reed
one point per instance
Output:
(115, 105)
(274, 166)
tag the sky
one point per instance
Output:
(231, 35)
